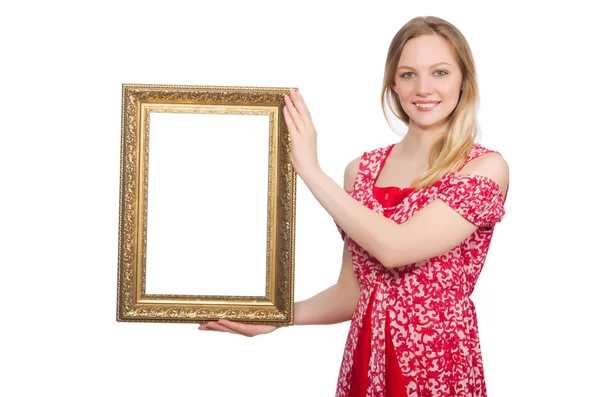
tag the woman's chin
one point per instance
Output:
(423, 122)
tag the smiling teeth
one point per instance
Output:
(429, 105)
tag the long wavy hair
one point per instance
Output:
(451, 150)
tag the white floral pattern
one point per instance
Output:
(426, 306)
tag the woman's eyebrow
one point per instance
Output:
(432, 66)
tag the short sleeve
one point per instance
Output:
(477, 198)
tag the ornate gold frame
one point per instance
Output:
(133, 304)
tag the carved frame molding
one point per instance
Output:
(133, 304)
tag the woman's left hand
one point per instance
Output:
(302, 134)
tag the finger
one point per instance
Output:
(294, 113)
(299, 104)
(237, 327)
(288, 120)
(294, 116)
(203, 327)
(227, 324)
(213, 326)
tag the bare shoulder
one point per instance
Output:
(491, 165)
(350, 173)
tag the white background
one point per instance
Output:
(62, 69)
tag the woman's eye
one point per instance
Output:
(436, 73)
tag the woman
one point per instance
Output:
(417, 218)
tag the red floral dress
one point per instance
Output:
(414, 330)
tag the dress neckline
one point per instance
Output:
(388, 197)
(384, 158)
(379, 168)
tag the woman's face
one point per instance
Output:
(428, 81)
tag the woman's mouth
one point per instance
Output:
(425, 107)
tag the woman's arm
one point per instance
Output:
(433, 231)
(335, 304)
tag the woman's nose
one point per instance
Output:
(425, 85)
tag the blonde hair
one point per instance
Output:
(450, 151)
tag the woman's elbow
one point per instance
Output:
(392, 264)
(392, 258)
(396, 256)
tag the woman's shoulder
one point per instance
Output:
(485, 163)
(480, 154)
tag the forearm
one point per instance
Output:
(334, 305)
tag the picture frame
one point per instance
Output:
(175, 231)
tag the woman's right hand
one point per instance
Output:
(233, 327)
